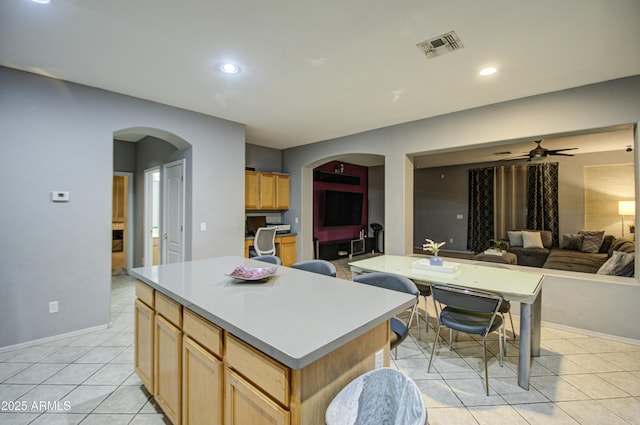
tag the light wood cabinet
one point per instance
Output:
(251, 190)
(257, 387)
(245, 404)
(202, 385)
(202, 371)
(287, 250)
(144, 325)
(283, 188)
(266, 191)
(168, 357)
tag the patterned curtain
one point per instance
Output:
(481, 189)
(542, 202)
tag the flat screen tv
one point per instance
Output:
(341, 208)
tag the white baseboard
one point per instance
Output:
(53, 338)
(591, 333)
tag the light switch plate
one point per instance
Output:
(58, 196)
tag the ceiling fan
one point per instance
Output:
(539, 152)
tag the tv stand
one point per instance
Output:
(332, 250)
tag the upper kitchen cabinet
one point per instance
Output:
(266, 191)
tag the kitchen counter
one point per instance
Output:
(296, 317)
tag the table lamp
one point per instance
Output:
(626, 208)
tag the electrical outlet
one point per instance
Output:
(451, 240)
(379, 362)
(203, 226)
(459, 216)
(53, 307)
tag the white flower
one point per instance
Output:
(432, 246)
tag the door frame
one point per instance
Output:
(130, 231)
(147, 240)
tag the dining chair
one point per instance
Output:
(505, 307)
(273, 259)
(264, 242)
(400, 329)
(425, 292)
(316, 266)
(380, 396)
(469, 311)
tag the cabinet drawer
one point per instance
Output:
(264, 372)
(205, 333)
(168, 308)
(144, 293)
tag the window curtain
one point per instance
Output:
(510, 199)
(480, 224)
(542, 199)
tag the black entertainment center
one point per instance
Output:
(340, 206)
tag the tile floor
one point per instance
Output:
(578, 379)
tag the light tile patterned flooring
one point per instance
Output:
(578, 379)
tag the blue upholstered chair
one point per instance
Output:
(395, 283)
(273, 259)
(469, 311)
(316, 266)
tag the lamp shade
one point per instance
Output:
(626, 207)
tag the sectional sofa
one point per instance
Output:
(585, 252)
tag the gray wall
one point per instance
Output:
(582, 108)
(263, 159)
(376, 196)
(440, 195)
(59, 136)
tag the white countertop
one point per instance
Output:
(296, 317)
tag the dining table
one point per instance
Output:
(513, 285)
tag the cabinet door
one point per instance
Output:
(288, 250)
(251, 190)
(282, 191)
(144, 344)
(202, 389)
(267, 191)
(168, 368)
(245, 404)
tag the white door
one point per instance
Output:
(173, 212)
(152, 239)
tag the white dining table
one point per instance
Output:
(513, 285)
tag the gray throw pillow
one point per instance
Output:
(572, 241)
(592, 240)
(620, 264)
(515, 237)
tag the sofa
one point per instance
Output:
(585, 252)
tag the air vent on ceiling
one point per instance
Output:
(441, 45)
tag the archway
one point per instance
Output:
(137, 149)
(371, 161)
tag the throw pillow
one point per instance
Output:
(592, 240)
(620, 264)
(531, 240)
(515, 237)
(572, 241)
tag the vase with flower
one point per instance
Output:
(434, 248)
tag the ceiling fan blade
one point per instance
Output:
(561, 154)
(552, 151)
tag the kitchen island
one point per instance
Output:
(214, 350)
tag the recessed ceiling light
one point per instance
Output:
(229, 68)
(41, 1)
(490, 70)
